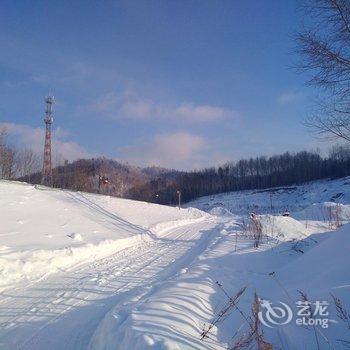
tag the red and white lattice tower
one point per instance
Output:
(47, 165)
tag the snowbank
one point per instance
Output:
(34, 264)
(283, 228)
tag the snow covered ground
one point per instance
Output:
(44, 230)
(82, 271)
(276, 200)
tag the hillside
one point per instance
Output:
(124, 180)
(278, 199)
(160, 185)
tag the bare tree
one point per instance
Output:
(28, 162)
(7, 157)
(324, 45)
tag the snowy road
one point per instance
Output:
(63, 310)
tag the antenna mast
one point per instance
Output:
(47, 164)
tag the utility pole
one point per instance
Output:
(178, 193)
(271, 206)
(46, 178)
(65, 180)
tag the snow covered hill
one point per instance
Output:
(44, 230)
(277, 200)
(83, 271)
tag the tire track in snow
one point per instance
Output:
(115, 274)
(84, 265)
(135, 252)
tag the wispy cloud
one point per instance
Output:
(289, 97)
(180, 150)
(131, 106)
(29, 137)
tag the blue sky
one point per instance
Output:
(182, 84)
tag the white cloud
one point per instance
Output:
(290, 96)
(180, 150)
(128, 105)
(29, 137)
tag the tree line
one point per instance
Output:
(254, 173)
(159, 185)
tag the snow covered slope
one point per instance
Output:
(44, 230)
(276, 200)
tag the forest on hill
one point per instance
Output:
(160, 185)
(254, 173)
